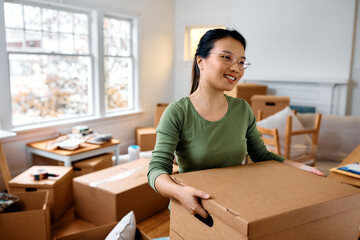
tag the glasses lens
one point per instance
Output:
(228, 58)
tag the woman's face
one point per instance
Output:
(215, 72)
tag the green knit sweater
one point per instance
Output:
(202, 144)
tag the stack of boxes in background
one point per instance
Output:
(247, 90)
(145, 137)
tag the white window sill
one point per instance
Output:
(55, 126)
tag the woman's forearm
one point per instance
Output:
(167, 187)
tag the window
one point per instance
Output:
(51, 63)
(192, 38)
(118, 64)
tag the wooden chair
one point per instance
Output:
(273, 140)
(289, 133)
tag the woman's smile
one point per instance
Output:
(228, 76)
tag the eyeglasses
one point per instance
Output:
(230, 59)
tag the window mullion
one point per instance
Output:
(97, 44)
(5, 96)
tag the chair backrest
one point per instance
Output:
(159, 109)
(270, 138)
(267, 105)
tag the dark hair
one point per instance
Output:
(206, 44)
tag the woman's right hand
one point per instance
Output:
(189, 198)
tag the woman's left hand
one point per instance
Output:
(303, 167)
(312, 170)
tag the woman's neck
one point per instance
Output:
(210, 104)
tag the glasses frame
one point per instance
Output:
(241, 66)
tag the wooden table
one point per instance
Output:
(353, 157)
(86, 150)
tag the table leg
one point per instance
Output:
(67, 162)
(29, 157)
(117, 152)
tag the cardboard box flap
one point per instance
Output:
(25, 179)
(278, 197)
(33, 200)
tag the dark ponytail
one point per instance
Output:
(206, 44)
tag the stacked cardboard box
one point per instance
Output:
(32, 222)
(145, 137)
(60, 188)
(267, 200)
(108, 195)
(247, 90)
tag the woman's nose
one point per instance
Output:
(234, 67)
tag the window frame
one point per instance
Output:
(96, 51)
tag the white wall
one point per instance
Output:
(288, 40)
(354, 84)
(156, 19)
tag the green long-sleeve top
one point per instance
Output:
(202, 144)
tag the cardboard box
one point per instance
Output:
(32, 222)
(159, 109)
(100, 232)
(90, 165)
(145, 138)
(60, 188)
(80, 167)
(108, 195)
(247, 90)
(268, 104)
(268, 200)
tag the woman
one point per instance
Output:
(209, 129)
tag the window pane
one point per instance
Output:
(80, 24)
(13, 15)
(14, 39)
(33, 40)
(32, 18)
(45, 87)
(118, 83)
(51, 42)
(65, 22)
(49, 20)
(81, 44)
(66, 43)
(117, 37)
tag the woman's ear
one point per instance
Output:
(199, 62)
